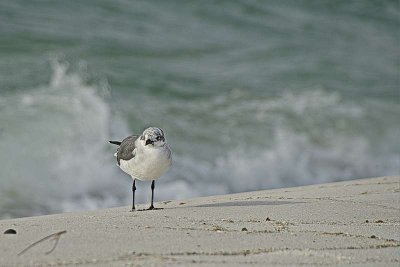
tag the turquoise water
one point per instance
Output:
(252, 95)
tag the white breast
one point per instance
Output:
(148, 164)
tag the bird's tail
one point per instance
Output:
(115, 142)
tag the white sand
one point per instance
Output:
(355, 222)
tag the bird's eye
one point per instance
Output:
(142, 137)
(158, 138)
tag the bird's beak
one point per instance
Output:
(148, 141)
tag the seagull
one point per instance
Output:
(144, 157)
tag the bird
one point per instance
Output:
(144, 157)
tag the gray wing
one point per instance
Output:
(125, 150)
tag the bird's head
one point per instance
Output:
(153, 137)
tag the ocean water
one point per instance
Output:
(251, 94)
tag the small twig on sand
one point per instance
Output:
(56, 237)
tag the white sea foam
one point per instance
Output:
(59, 159)
(294, 159)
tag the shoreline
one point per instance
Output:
(342, 223)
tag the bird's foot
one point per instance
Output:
(133, 209)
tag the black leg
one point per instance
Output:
(133, 195)
(152, 196)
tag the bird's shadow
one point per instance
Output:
(246, 203)
(149, 209)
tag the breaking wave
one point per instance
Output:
(59, 160)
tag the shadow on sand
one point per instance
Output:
(246, 203)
